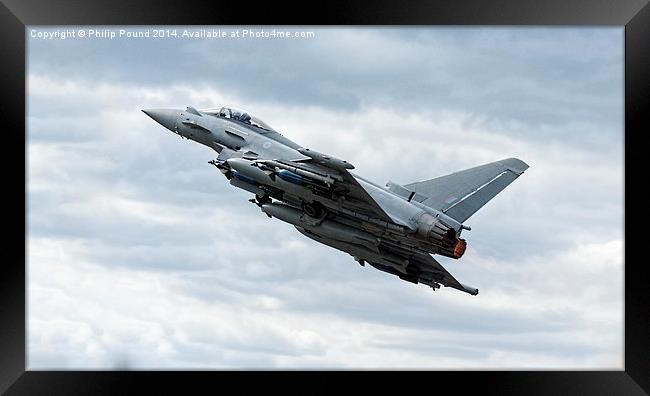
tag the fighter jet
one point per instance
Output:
(395, 228)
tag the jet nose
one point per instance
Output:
(165, 117)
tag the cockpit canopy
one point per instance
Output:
(240, 115)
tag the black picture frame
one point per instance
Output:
(15, 15)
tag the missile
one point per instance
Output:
(291, 177)
(259, 171)
(327, 179)
(245, 185)
(246, 169)
(283, 212)
(325, 159)
(327, 228)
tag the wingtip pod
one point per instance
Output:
(469, 289)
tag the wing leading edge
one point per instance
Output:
(356, 189)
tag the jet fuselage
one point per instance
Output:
(394, 229)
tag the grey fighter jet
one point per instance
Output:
(395, 228)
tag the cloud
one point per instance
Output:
(540, 76)
(145, 317)
(140, 255)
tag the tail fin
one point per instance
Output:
(460, 194)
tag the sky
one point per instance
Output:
(140, 255)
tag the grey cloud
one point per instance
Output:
(540, 76)
(124, 200)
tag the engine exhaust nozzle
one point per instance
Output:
(436, 231)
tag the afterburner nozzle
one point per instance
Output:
(459, 248)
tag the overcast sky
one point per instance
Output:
(141, 255)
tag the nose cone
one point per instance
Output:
(165, 117)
